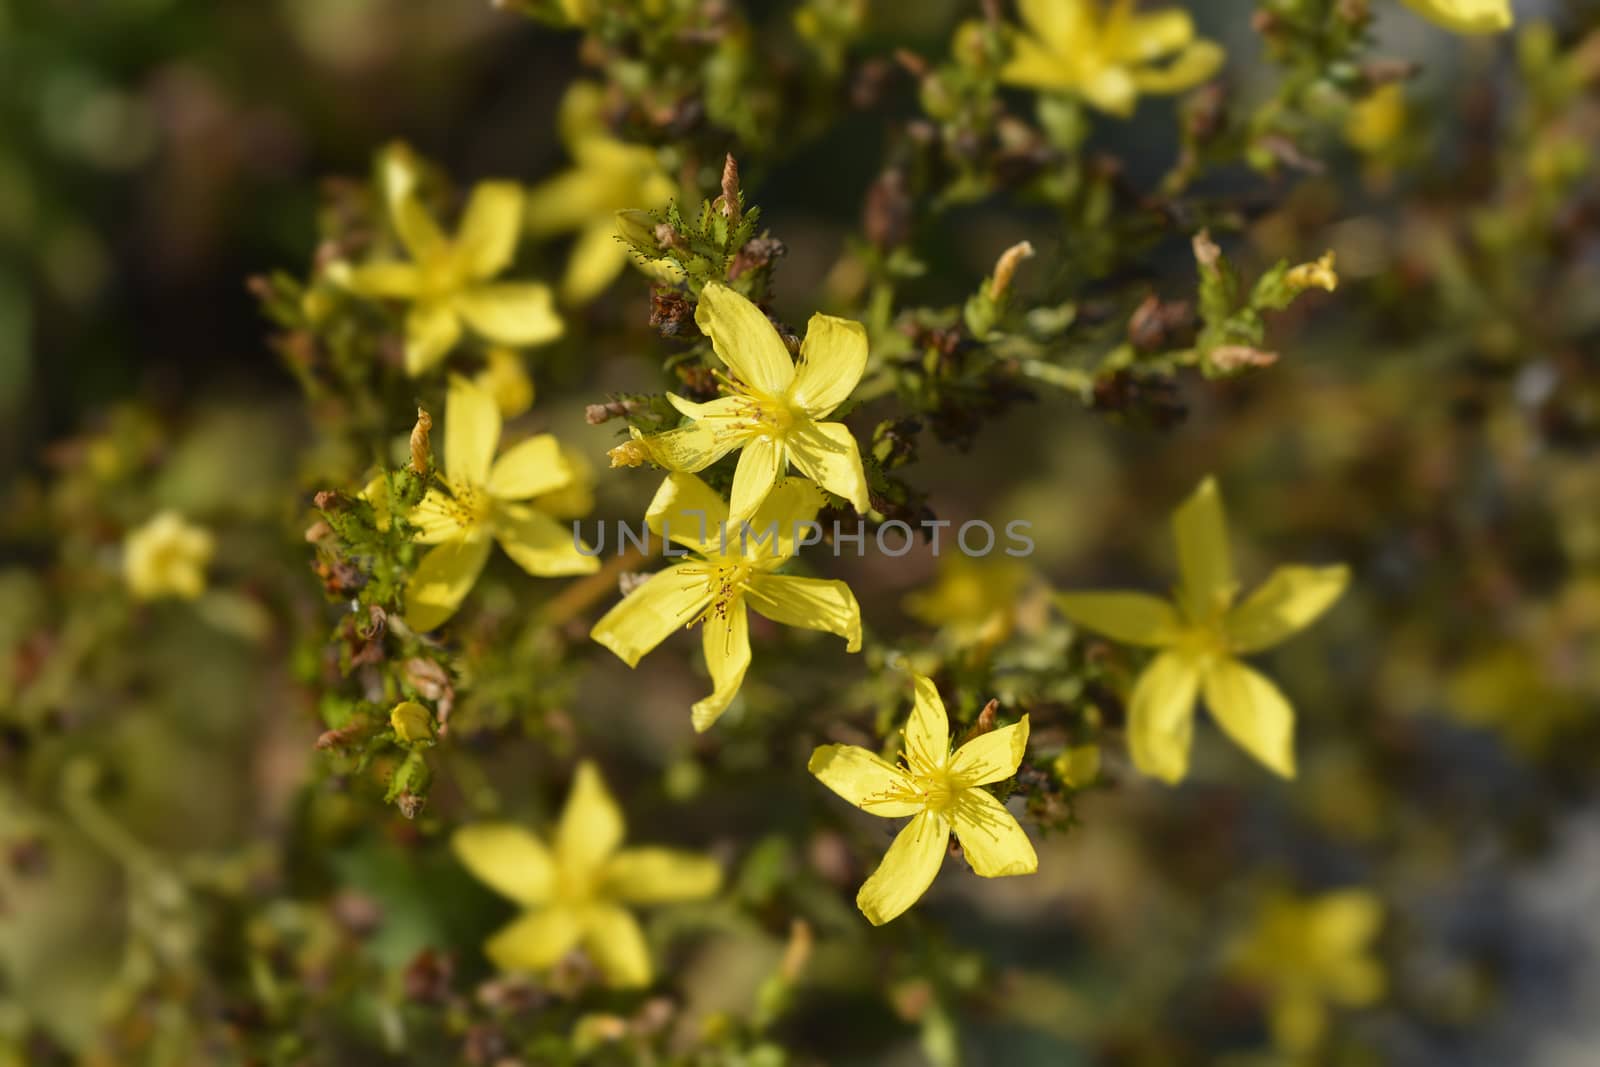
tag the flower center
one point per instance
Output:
(725, 582)
(937, 790)
(469, 505)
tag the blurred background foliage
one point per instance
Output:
(187, 876)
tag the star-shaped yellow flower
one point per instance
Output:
(609, 176)
(1466, 16)
(1108, 56)
(448, 281)
(486, 499)
(729, 576)
(167, 557)
(774, 408)
(941, 791)
(1310, 953)
(575, 892)
(1201, 637)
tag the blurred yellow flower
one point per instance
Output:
(733, 573)
(486, 499)
(774, 408)
(974, 602)
(506, 378)
(1318, 274)
(941, 791)
(448, 281)
(167, 557)
(1201, 637)
(1310, 953)
(412, 723)
(609, 176)
(1466, 16)
(1377, 121)
(1108, 54)
(575, 892)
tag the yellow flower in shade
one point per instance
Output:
(487, 499)
(974, 602)
(608, 176)
(506, 379)
(449, 281)
(941, 791)
(167, 557)
(1466, 16)
(730, 575)
(576, 891)
(1108, 54)
(1201, 637)
(1309, 954)
(773, 407)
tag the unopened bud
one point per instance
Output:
(412, 723)
(419, 443)
(1006, 267)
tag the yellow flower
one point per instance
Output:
(1312, 953)
(941, 791)
(448, 280)
(486, 498)
(974, 602)
(1109, 56)
(575, 891)
(773, 408)
(1318, 274)
(1201, 637)
(1466, 16)
(609, 176)
(732, 574)
(167, 557)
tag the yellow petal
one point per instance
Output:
(660, 875)
(539, 544)
(832, 358)
(810, 603)
(507, 859)
(907, 870)
(529, 468)
(793, 502)
(688, 448)
(442, 580)
(1343, 926)
(744, 339)
(687, 511)
(1299, 1019)
(597, 257)
(993, 842)
(1062, 26)
(1112, 89)
(1132, 618)
(614, 941)
(1201, 530)
(1161, 717)
(591, 825)
(826, 453)
(432, 330)
(760, 463)
(928, 729)
(1466, 16)
(1250, 710)
(1290, 599)
(1195, 64)
(1033, 66)
(511, 313)
(471, 433)
(534, 942)
(439, 517)
(727, 646)
(1156, 33)
(651, 613)
(990, 757)
(382, 281)
(417, 229)
(862, 778)
(490, 225)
